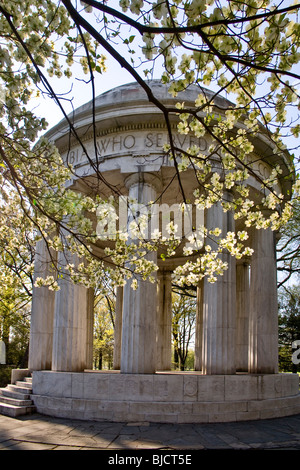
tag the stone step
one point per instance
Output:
(24, 384)
(15, 401)
(14, 394)
(13, 411)
(19, 389)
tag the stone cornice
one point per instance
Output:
(115, 130)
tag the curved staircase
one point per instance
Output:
(15, 400)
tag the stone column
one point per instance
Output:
(42, 313)
(263, 322)
(71, 326)
(199, 328)
(164, 321)
(139, 306)
(118, 328)
(90, 328)
(242, 315)
(219, 305)
(2, 352)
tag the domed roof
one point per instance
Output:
(129, 104)
(133, 94)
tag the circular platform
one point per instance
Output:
(165, 397)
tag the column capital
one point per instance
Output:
(164, 272)
(245, 261)
(143, 178)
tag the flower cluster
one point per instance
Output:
(233, 47)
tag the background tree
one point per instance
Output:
(104, 323)
(16, 277)
(183, 323)
(289, 327)
(288, 264)
(288, 250)
(14, 318)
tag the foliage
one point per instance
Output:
(183, 323)
(248, 51)
(14, 317)
(5, 376)
(289, 327)
(103, 332)
(288, 249)
(16, 275)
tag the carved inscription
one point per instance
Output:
(140, 143)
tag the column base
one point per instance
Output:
(165, 397)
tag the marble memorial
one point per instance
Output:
(236, 347)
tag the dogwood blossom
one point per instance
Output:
(245, 51)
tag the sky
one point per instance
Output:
(79, 92)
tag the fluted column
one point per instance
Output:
(219, 305)
(263, 322)
(42, 313)
(164, 321)
(242, 315)
(139, 306)
(118, 328)
(199, 327)
(71, 330)
(90, 328)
